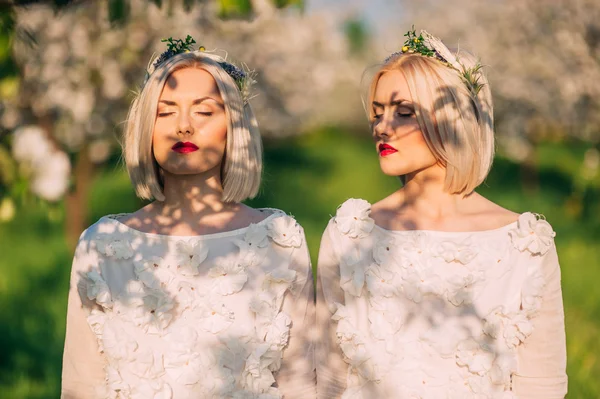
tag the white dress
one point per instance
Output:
(431, 314)
(224, 315)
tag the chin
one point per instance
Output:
(182, 170)
(393, 170)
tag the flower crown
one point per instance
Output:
(242, 78)
(429, 46)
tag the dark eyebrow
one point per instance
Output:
(393, 103)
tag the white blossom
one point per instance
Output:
(352, 218)
(533, 234)
(285, 231)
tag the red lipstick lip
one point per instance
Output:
(386, 149)
(184, 147)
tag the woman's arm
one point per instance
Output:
(543, 357)
(296, 378)
(331, 368)
(83, 364)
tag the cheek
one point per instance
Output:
(215, 132)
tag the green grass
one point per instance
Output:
(308, 177)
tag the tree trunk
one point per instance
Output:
(529, 172)
(77, 199)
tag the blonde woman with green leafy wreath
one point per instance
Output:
(435, 291)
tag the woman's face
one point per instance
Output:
(190, 132)
(399, 141)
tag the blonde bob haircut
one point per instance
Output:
(241, 167)
(458, 126)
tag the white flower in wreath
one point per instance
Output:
(153, 273)
(98, 289)
(190, 256)
(215, 317)
(228, 277)
(478, 358)
(451, 251)
(533, 234)
(352, 218)
(531, 293)
(285, 231)
(115, 248)
(256, 376)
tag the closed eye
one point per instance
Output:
(162, 114)
(204, 113)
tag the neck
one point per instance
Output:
(424, 192)
(192, 196)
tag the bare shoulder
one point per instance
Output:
(387, 210)
(489, 214)
(139, 218)
(250, 215)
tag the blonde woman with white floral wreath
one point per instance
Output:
(195, 295)
(434, 291)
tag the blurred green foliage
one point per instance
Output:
(309, 177)
(357, 34)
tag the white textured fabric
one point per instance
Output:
(430, 314)
(224, 315)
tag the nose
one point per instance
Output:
(183, 125)
(382, 127)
